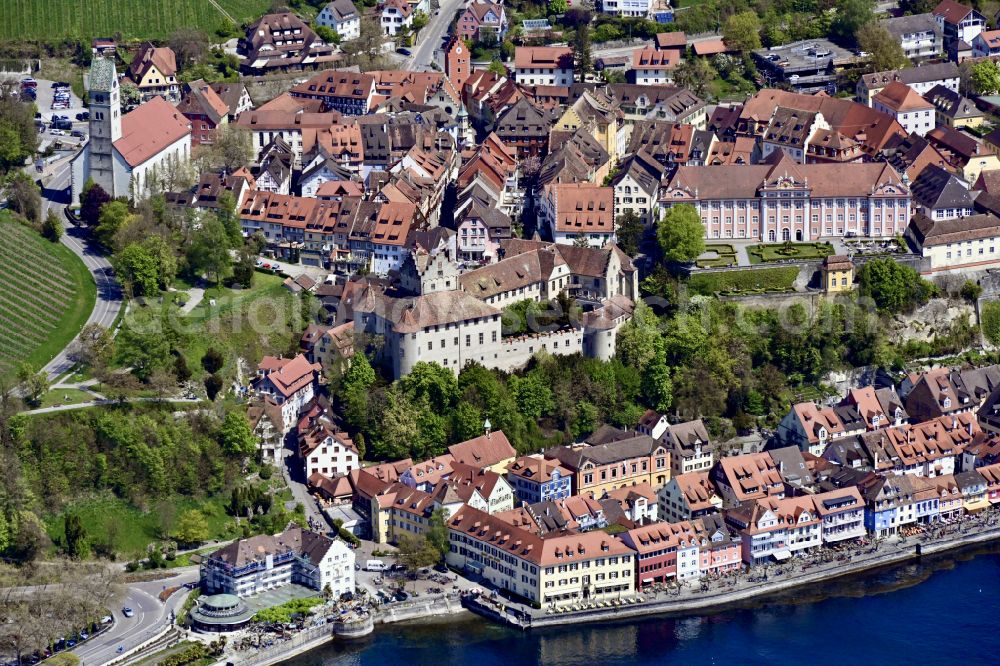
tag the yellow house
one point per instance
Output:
(154, 72)
(953, 109)
(838, 274)
(400, 510)
(601, 117)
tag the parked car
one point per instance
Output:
(83, 115)
(57, 132)
(78, 134)
(29, 82)
(405, 52)
(107, 619)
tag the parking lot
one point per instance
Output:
(44, 95)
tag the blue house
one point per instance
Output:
(881, 505)
(535, 479)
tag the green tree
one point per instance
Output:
(982, 77)
(581, 51)
(971, 291)
(681, 234)
(209, 249)
(192, 527)
(586, 419)
(138, 268)
(226, 213)
(657, 387)
(894, 287)
(467, 421)
(432, 385)
(76, 537)
(245, 267)
(114, 216)
(52, 228)
(497, 68)
(742, 31)
(639, 338)
(851, 16)
(398, 426)
(212, 360)
(533, 394)
(628, 232)
(886, 52)
(92, 199)
(236, 436)
(416, 551)
(33, 384)
(24, 197)
(18, 138)
(437, 532)
(990, 322)
(327, 34)
(213, 384)
(695, 74)
(163, 256)
(558, 7)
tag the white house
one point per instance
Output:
(653, 67)
(249, 566)
(543, 65)
(290, 382)
(342, 17)
(328, 452)
(912, 111)
(395, 14)
(633, 8)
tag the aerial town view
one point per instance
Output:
(571, 332)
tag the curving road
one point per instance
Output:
(109, 294)
(151, 617)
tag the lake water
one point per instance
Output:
(940, 611)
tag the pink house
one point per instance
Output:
(479, 15)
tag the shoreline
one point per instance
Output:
(702, 602)
(431, 612)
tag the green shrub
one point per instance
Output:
(990, 321)
(761, 281)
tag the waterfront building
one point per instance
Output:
(749, 476)
(556, 571)
(257, 564)
(688, 496)
(773, 529)
(664, 551)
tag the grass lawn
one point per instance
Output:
(242, 322)
(745, 281)
(61, 69)
(136, 528)
(65, 397)
(46, 296)
(781, 252)
(726, 256)
(159, 657)
(132, 19)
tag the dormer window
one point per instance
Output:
(946, 403)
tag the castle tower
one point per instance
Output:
(457, 63)
(105, 123)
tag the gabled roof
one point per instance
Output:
(201, 98)
(952, 12)
(901, 98)
(149, 129)
(149, 56)
(937, 188)
(545, 57)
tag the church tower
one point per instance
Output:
(105, 123)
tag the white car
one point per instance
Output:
(57, 132)
(128, 612)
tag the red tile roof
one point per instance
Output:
(150, 129)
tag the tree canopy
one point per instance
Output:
(681, 234)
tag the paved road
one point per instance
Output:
(294, 475)
(95, 403)
(151, 616)
(428, 43)
(109, 294)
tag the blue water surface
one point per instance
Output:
(943, 611)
